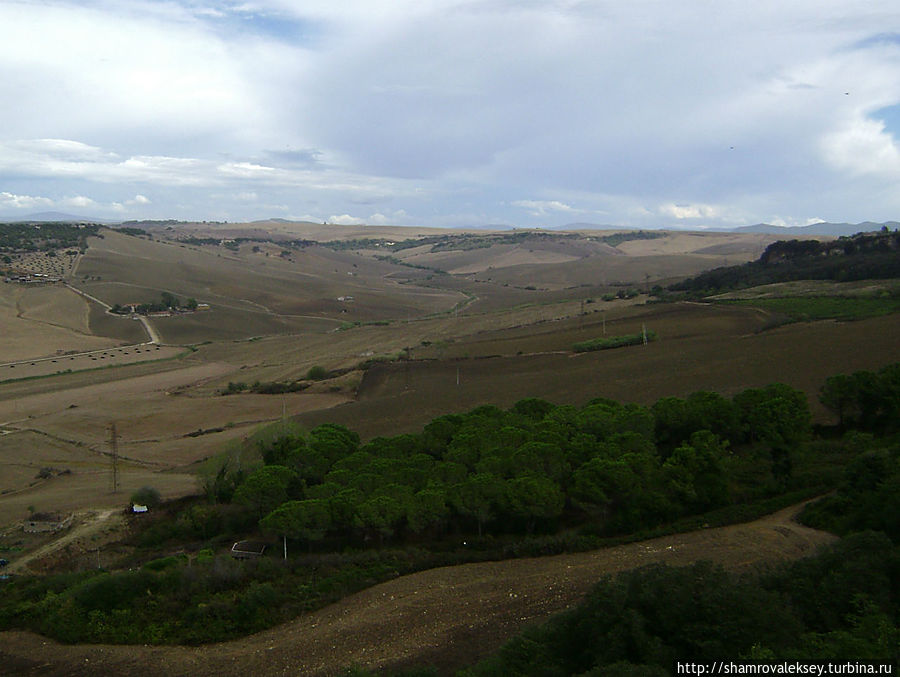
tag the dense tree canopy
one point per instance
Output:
(531, 468)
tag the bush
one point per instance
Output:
(613, 342)
(146, 496)
(317, 373)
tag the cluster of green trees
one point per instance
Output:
(860, 257)
(30, 237)
(843, 604)
(532, 468)
(865, 400)
(168, 301)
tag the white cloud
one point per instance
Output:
(77, 201)
(139, 200)
(12, 201)
(541, 207)
(346, 220)
(689, 211)
(862, 147)
(443, 108)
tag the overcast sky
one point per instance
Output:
(681, 113)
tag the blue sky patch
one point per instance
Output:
(878, 40)
(891, 118)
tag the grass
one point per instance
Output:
(807, 308)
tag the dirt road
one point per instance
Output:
(87, 525)
(447, 617)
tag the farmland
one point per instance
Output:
(275, 313)
(397, 333)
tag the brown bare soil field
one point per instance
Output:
(747, 245)
(67, 428)
(478, 260)
(56, 305)
(699, 348)
(251, 293)
(122, 329)
(636, 271)
(29, 333)
(96, 359)
(447, 617)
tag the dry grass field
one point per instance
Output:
(42, 321)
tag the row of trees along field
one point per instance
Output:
(534, 479)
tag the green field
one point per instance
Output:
(808, 308)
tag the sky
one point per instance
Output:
(689, 114)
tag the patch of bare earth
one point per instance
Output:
(447, 617)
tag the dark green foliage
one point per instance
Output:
(868, 498)
(265, 489)
(317, 373)
(865, 400)
(28, 237)
(860, 257)
(614, 342)
(146, 496)
(843, 604)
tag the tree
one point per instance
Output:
(169, 300)
(428, 507)
(695, 474)
(382, 514)
(307, 520)
(191, 304)
(265, 489)
(532, 497)
(477, 497)
(316, 373)
(146, 496)
(839, 394)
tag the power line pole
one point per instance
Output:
(114, 445)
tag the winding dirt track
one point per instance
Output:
(447, 617)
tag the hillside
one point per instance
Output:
(874, 255)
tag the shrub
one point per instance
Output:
(317, 373)
(146, 496)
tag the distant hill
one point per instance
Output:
(53, 217)
(824, 228)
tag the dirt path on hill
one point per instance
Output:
(448, 617)
(86, 525)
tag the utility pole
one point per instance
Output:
(114, 445)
